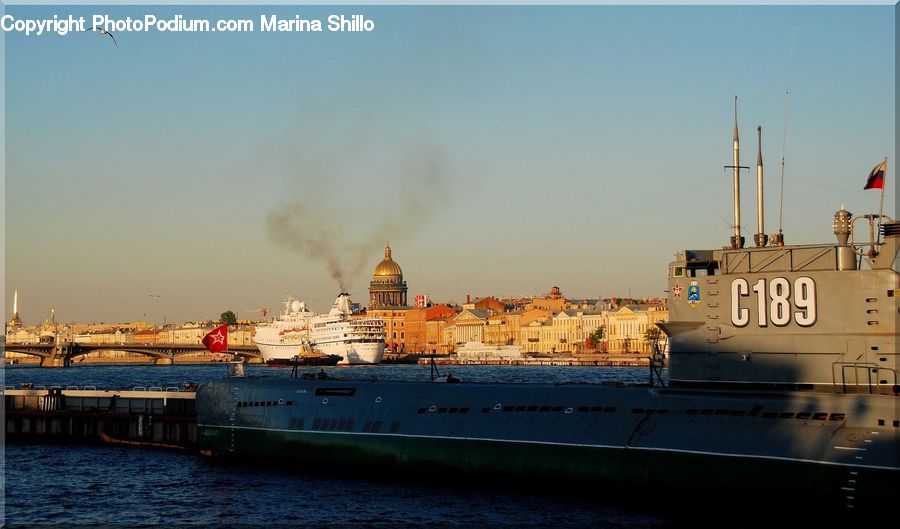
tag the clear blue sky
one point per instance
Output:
(501, 150)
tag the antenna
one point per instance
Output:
(778, 238)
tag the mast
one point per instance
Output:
(737, 241)
(760, 238)
(881, 206)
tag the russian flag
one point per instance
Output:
(876, 177)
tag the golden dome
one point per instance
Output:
(387, 267)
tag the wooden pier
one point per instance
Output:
(155, 417)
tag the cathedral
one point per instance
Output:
(387, 289)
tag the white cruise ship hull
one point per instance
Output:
(350, 353)
(281, 351)
(358, 353)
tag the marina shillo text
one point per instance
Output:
(266, 23)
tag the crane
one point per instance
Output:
(262, 310)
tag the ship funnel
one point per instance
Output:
(760, 238)
(842, 225)
(341, 305)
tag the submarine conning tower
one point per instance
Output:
(796, 317)
(814, 317)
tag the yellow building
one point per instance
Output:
(24, 335)
(552, 302)
(568, 335)
(530, 315)
(531, 336)
(566, 332)
(502, 329)
(469, 326)
(394, 319)
(434, 336)
(448, 337)
(626, 327)
(189, 333)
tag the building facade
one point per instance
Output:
(553, 302)
(626, 327)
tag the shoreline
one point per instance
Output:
(205, 359)
(605, 362)
(531, 362)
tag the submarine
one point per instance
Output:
(782, 390)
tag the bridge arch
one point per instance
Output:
(159, 353)
(40, 352)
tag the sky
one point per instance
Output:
(501, 150)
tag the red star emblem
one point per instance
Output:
(218, 338)
(676, 291)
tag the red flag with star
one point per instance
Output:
(216, 340)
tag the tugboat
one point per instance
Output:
(782, 393)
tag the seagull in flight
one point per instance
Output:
(104, 32)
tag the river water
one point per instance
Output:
(65, 485)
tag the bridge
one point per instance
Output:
(61, 355)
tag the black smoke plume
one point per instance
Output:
(320, 229)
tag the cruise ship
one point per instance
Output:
(297, 330)
(356, 340)
(288, 335)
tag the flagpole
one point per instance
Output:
(881, 206)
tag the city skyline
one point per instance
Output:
(500, 150)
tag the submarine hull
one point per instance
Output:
(838, 448)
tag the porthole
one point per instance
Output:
(325, 400)
(432, 408)
(377, 399)
(568, 410)
(497, 406)
(280, 401)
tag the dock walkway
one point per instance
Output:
(162, 417)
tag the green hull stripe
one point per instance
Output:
(550, 443)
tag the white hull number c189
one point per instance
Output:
(775, 302)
